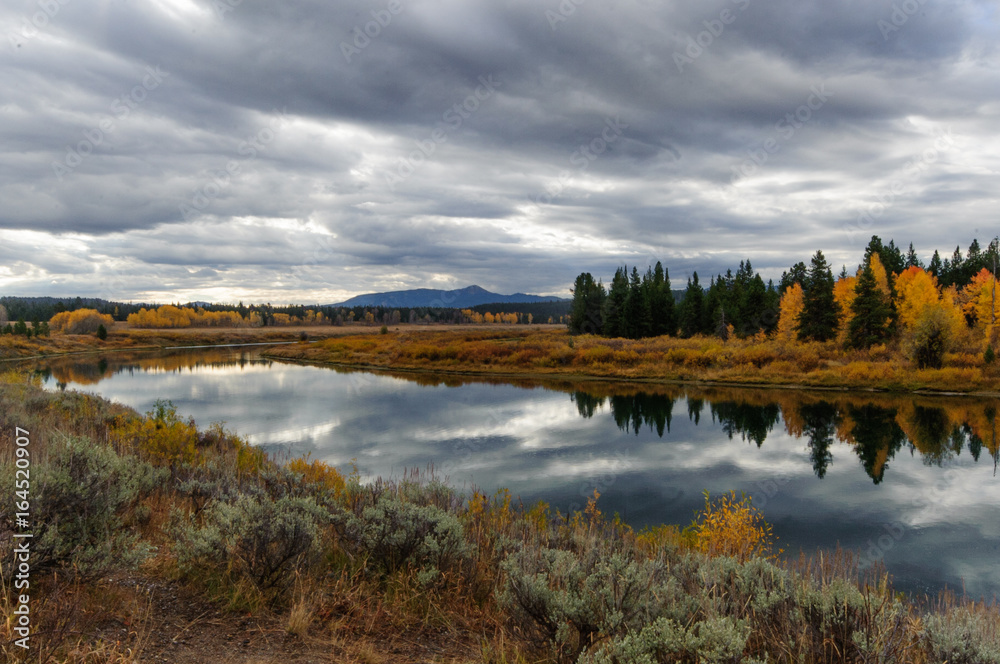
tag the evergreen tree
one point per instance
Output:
(892, 259)
(820, 312)
(890, 256)
(911, 258)
(772, 307)
(662, 307)
(796, 275)
(951, 271)
(935, 267)
(713, 309)
(588, 302)
(613, 315)
(636, 320)
(691, 308)
(872, 319)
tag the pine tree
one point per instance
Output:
(935, 267)
(872, 314)
(636, 319)
(588, 301)
(613, 314)
(911, 258)
(797, 274)
(662, 307)
(818, 320)
(691, 308)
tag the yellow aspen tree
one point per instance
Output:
(881, 277)
(916, 290)
(843, 295)
(792, 302)
(978, 302)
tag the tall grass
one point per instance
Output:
(758, 360)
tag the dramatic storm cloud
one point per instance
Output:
(306, 151)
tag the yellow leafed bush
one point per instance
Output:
(731, 526)
(319, 473)
(81, 321)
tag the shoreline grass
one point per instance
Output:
(755, 362)
(348, 567)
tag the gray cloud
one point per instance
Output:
(305, 150)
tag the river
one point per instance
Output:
(909, 482)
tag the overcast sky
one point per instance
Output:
(301, 151)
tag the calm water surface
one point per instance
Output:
(911, 482)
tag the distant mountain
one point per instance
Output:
(469, 296)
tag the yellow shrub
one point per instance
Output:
(81, 321)
(318, 472)
(596, 354)
(731, 527)
(160, 436)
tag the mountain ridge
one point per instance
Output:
(469, 296)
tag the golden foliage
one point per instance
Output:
(792, 302)
(978, 301)
(731, 526)
(81, 321)
(916, 289)
(319, 473)
(843, 295)
(881, 277)
(169, 316)
(160, 437)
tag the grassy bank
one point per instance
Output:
(196, 547)
(14, 347)
(757, 361)
(121, 337)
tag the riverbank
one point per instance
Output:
(199, 548)
(738, 362)
(121, 337)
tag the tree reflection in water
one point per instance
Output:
(875, 426)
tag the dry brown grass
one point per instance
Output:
(752, 361)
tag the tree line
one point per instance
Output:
(637, 306)
(892, 297)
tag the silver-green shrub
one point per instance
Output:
(262, 539)
(712, 641)
(394, 533)
(83, 498)
(568, 599)
(962, 636)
